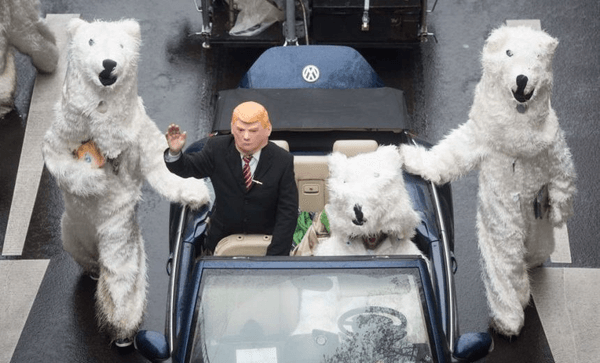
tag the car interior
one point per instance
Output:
(311, 172)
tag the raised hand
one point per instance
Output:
(175, 139)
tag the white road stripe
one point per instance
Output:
(534, 23)
(20, 281)
(567, 303)
(562, 249)
(46, 92)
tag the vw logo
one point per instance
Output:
(310, 73)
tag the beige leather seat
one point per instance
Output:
(312, 172)
(243, 245)
(282, 144)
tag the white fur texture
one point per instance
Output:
(21, 28)
(99, 226)
(374, 182)
(518, 147)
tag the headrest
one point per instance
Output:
(352, 147)
(282, 144)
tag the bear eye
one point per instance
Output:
(121, 46)
(91, 42)
(509, 53)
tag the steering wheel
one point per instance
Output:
(367, 315)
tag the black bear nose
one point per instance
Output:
(522, 81)
(520, 94)
(110, 64)
(106, 77)
(360, 218)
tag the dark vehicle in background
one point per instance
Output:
(357, 23)
(241, 308)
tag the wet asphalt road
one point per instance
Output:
(176, 79)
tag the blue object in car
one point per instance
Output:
(471, 347)
(311, 66)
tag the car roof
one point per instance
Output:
(368, 109)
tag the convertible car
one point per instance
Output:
(358, 23)
(239, 306)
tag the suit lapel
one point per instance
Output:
(264, 163)
(235, 164)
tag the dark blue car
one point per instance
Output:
(242, 308)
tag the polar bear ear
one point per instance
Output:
(390, 154)
(131, 27)
(495, 41)
(551, 45)
(73, 25)
(335, 161)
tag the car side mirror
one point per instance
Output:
(152, 345)
(471, 347)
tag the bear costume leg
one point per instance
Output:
(81, 243)
(121, 292)
(504, 271)
(8, 82)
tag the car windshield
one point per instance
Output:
(311, 315)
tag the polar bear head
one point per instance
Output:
(367, 195)
(105, 54)
(519, 60)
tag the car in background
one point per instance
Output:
(242, 307)
(357, 23)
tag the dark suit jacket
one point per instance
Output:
(267, 208)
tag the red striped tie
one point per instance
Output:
(246, 172)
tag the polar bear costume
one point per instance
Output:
(526, 174)
(369, 209)
(99, 228)
(21, 28)
(369, 212)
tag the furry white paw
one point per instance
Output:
(560, 213)
(91, 183)
(196, 194)
(413, 161)
(508, 328)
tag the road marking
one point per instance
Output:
(562, 249)
(20, 281)
(46, 92)
(567, 303)
(534, 23)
